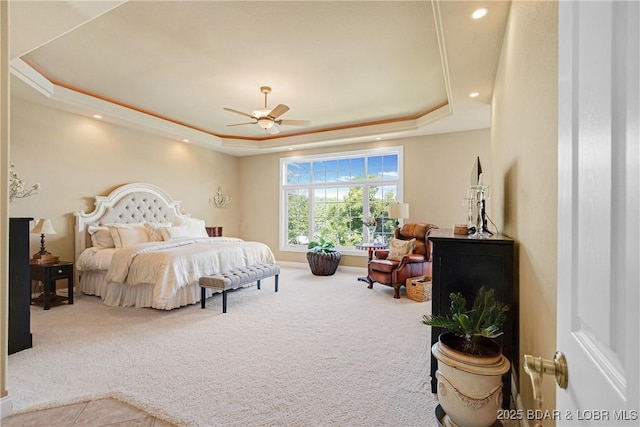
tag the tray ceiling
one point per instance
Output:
(356, 70)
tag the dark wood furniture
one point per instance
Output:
(19, 289)
(464, 264)
(48, 274)
(214, 231)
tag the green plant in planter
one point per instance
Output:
(322, 245)
(483, 321)
(323, 257)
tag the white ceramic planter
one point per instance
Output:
(469, 387)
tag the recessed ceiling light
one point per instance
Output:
(479, 13)
(185, 140)
(378, 138)
(473, 94)
(97, 116)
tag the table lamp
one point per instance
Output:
(398, 211)
(43, 227)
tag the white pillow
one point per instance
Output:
(100, 237)
(128, 234)
(183, 220)
(175, 232)
(155, 230)
(399, 248)
(197, 228)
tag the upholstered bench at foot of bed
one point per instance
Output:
(233, 279)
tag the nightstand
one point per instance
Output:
(48, 274)
(214, 231)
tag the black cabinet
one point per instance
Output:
(464, 264)
(19, 285)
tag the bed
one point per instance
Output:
(136, 249)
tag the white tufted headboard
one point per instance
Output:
(130, 203)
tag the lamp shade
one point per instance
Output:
(43, 227)
(399, 210)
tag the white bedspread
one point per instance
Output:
(174, 264)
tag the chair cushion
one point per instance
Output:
(383, 265)
(399, 248)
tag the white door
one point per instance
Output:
(598, 212)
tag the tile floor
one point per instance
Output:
(99, 413)
(94, 413)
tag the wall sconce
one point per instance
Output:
(220, 200)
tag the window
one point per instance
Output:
(335, 193)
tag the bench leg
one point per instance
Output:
(276, 283)
(202, 295)
(224, 301)
(258, 284)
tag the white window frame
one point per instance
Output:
(284, 246)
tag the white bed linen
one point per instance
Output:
(94, 258)
(170, 266)
(140, 296)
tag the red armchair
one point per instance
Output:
(395, 272)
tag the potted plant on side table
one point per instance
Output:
(470, 361)
(322, 256)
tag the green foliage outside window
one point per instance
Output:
(328, 196)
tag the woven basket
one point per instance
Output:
(419, 288)
(322, 264)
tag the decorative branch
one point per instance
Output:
(17, 188)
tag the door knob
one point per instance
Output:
(536, 367)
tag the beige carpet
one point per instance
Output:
(321, 351)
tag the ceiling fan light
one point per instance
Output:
(265, 123)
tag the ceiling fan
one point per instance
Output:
(268, 119)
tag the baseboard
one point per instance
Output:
(6, 406)
(292, 264)
(347, 268)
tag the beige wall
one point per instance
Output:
(437, 171)
(76, 158)
(524, 149)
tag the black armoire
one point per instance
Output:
(19, 285)
(464, 264)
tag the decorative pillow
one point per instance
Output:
(399, 248)
(175, 232)
(197, 228)
(100, 237)
(155, 230)
(128, 234)
(183, 220)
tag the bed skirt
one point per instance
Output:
(119, 295)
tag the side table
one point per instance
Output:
(214, 231)
(48, 274)
(370, 247)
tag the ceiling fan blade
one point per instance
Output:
(245, 123)
(294, 122)
(239, 112)
(278, 111)
(273, 129)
